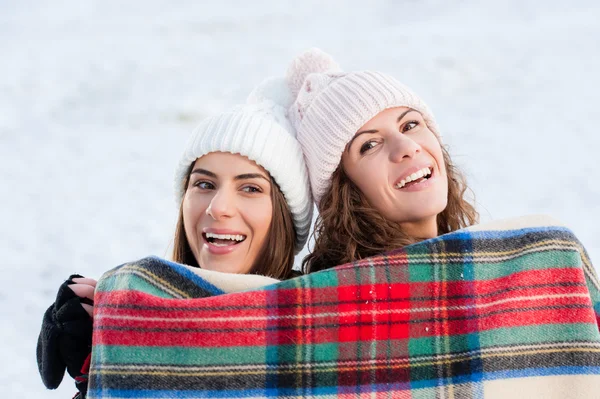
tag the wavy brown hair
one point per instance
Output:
(275, 258)
(348, 228)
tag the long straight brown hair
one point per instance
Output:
(348, 228)
(275, 258)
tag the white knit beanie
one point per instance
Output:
(330, 106)
(260, 131)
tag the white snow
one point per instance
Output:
(97, 99)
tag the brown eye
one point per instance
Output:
(367, 146)
(409, 126)
(251, 189)
(204, 185)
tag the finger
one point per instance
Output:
(89, 309)
(84, 280)
(83, 291)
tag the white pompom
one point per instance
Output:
(313, 60)
(271, 90)
(272, 98)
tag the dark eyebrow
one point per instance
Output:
(402, 115)
(244, 176)
(251, 176)
(203, 172)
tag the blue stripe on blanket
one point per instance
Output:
(475, 379)
(507, 374)
(496, 234)
(188, 274)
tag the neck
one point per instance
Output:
(421, 229)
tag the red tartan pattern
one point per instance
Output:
(452, 312)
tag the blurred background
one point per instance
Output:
(97, 99)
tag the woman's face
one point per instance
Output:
(397, 163)
(227, 211)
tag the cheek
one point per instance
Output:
(433, 146)
(258, 215)
(372, 183)
(369, 176)
(192, 208)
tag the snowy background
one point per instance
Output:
(97, 99)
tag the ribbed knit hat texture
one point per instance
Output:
(260, 131)
(331, 105)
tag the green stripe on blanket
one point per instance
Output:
(475, 313)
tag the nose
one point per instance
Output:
(222, 205)
(402, 147)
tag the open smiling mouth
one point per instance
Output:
(415, 178)
(223, 240)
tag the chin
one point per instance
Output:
(433, 208)
(417, 217)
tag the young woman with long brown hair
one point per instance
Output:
(380, 176)
(244, 207)
(245, 203)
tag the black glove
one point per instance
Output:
(66, 337)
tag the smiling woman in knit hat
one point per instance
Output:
(244, 191)
(379, 174)
(245, 207)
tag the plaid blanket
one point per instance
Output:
(508, 309)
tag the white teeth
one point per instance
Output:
(232, 237)
(414, 176)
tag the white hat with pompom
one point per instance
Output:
(330, 105)
(260, 131)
